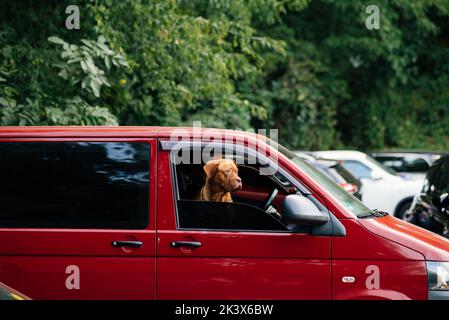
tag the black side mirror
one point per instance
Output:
(302, 211)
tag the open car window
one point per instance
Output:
(245, 213)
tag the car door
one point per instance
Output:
(201, 257)
(78, 218)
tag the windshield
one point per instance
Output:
(381, 165)
(346, 199)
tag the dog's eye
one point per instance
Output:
(227, 172)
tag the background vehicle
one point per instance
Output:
(407, 163)
(430, 208)
(341, 175)
(336, 172)
(383, 189)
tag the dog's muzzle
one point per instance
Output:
(235, 184)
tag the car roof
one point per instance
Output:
(407, 152)
(327, 162)
(125, 131)
(340, 154)
(305, 155)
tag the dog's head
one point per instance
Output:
(224, 173)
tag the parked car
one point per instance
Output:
(430, 208)
(112, 213)
(383, 189)
(334, 170)
(412, 164)
(7, 293)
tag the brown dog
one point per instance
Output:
(221, 179)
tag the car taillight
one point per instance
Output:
(351, 188)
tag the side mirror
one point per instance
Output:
(302, 211)
(376, 175)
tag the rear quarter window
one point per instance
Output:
(74, 184)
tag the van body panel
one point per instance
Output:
(77, 242)
(381, 268)
(379, 279)
(431, 245)
(360, 243)
(210, 278)
(81, 263)
(48, 277)
(236, 265)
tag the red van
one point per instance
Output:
(112, 213)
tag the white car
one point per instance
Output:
(383, 188)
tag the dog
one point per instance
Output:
(221, 179)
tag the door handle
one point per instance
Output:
(177, 244)
(136, 244)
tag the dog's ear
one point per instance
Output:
(210, 167)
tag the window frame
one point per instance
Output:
(169, 146)
(149, 224)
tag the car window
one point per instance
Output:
(337, 176)
(225, 216)
(325, 170)
(381, 166)
(415, 164)
(74, 184)
(406, 163)
(396, 163)
(358, 169)
(244, 213)
(346, 175)
(354, 205)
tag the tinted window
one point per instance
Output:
(408, 163)
(74, 185)
(225, 216)
(358, 169)
(415, 164)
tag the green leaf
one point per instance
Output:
(56, 40)
(107, 62)
(95, 88)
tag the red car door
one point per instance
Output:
(78, 218)
(214, 264)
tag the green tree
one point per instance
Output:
(309, 68)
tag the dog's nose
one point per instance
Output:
(238, 179)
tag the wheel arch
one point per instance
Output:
(401, 203)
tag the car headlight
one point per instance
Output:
(438, 275)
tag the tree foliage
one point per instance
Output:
(309, 68)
